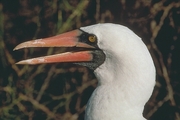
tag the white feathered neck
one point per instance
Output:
(125, 80)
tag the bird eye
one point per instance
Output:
(92, 38)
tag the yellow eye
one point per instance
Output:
(92, 38)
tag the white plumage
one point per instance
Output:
(125, 80)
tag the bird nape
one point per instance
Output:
(120, 60)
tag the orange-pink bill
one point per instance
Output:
(83, 56)
(69, 39)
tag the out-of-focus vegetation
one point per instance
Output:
(61, 91)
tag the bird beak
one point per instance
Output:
(69, 39)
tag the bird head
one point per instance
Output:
(97, 41)
(102, 47)
(89, 53)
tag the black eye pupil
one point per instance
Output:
(90, 39)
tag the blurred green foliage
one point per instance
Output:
(61, 91)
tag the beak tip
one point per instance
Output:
(24, 62)
(15, 49)
(25, 45)
(20, 63)
(19, 47)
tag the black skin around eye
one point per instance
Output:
(84, 37)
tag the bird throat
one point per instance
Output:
(98, 59)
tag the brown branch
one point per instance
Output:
(37, 105)
(46, 83)
(155, 30)
(77, 12)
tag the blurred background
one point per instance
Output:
(61, 91)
